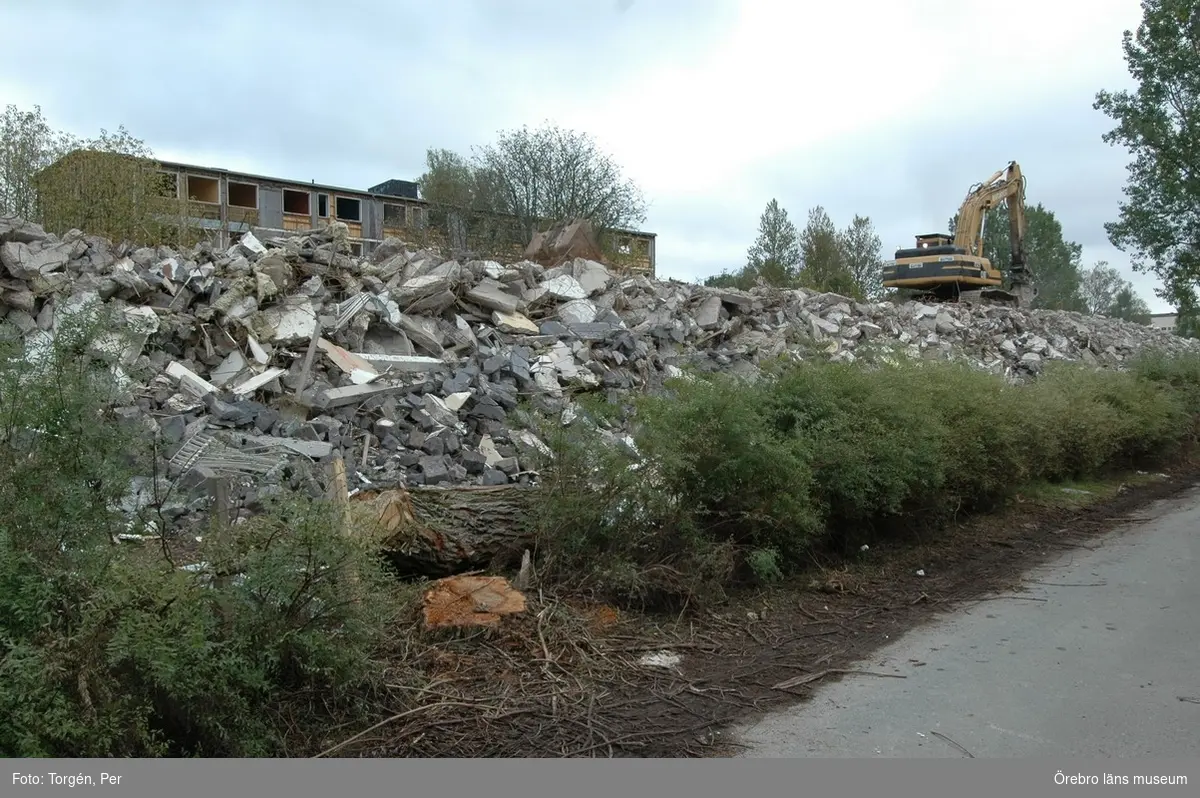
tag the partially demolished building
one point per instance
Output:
(230, 204)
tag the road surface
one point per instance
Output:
(1105, 664)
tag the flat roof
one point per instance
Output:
(268, 178)
(332, 189)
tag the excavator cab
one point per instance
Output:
(934, 240)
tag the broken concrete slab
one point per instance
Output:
(257, 382)
(190, 380)
(360, 371)
(352, 394)
(564, 288)
(513, 323)
(493, 296)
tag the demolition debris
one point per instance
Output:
(412, 367)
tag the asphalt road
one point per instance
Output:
(1106, 664)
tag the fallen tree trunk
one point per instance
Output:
(446, 531)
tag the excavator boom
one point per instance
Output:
(952, 269)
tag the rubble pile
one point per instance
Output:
(412, 366)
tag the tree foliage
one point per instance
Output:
(1055, 261)
(109, 185)
(824, 262)
(862, 251)
(1105, 293)
(27, 145)
(1129, 306)
(1159, 220)
(775, 254)
(527, 179)
(819, 257)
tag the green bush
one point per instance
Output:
(818, 453)
(112, 649)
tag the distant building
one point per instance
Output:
(231, 204)
(1163, 321)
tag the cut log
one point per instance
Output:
(447, 531)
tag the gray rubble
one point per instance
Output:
(412, 366)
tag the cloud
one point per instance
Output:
(714, 106)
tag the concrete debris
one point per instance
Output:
(411, 366)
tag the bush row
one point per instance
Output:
(726, 475)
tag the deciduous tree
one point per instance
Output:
(110, 185)
(1129, 306)
(1054, 260)
(1159, 221)
(27, 146)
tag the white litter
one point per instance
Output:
(661, 659)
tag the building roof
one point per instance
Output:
(322, 186)
(311, 185)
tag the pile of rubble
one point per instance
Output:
(411, 366)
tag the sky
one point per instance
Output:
(890, 109)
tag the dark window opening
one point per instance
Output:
(349, 210)
(322, 205)
(296, 202)
(395, 215)
(356, 249)
(203, 189)
(243, 195)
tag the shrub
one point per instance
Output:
(825, 453)
(110, 649)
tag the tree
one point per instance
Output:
(823, 261)
(556, 175)
(775, 254)
(1054, 260)
(1105, 293)
(862, 254)
(527, 179)
(27, 145)
(1129, 306)
(1187, 319)
(462, 198)
(1100, 287)
(111, 186)
(1158, 224)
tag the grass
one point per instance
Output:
(1079, 493)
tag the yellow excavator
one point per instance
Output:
(945, 269)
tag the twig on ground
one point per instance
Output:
(956, 745)
(393, 719)
(797, 681)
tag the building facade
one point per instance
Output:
(232, 203)
(1164, 321)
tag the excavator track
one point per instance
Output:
(993, 296)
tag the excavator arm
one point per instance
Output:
(1006, 185)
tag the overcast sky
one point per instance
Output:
(886, 108)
